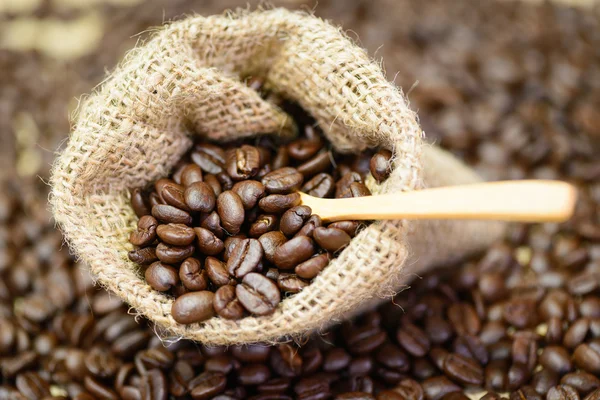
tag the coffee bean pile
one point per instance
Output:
(226, 234)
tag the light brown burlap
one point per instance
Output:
(186, 80)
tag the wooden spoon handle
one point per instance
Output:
(525, 201)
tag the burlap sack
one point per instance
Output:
(186, 79)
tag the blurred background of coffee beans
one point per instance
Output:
(510, 87)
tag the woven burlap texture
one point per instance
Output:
(187, 79)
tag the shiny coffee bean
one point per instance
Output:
(290, 283)
(245, 258)
(309, 227)
(283, 181)
(173, 254)
(380, 165)
(278, 203)
(169, 214)
(253, 374)
(243, 162)
(293, 219)
(207, 385)
(190, 174)
(556, 359)
(200, 197)
(263, 224)
(230, 243)
(217, 272)
(138, 203)
(258, 294)
(193, 307)
(209, 158)
(562, 392)
(350, 227)
(321, 185)
(413, 340)
(463, 369)
(319, 163)
(176, 234)
(226, 303)
(303, 149)
(145, 233)
(270, 242)
(250, 192)
(356, 189)
(437, 387)
(208, 243)
(172, 194)
(311, 267)
(231, 211)
(293, 252)
(215, 185)
(331, 239)
(144, 256)
(192, 276)
(161, 277)
(344, 183)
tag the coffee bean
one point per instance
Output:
(154, 385)
(208, 243)
(212, 222)
(437, 387)
(169, 214)
(350, 227)
(562, 392)
(215, 185)
(98, 390)
(263, 224)
(293, 219)
(258, 294)
(190, 174)
(173, 254)
(226, 303)
(303, 149)
(200, 196)
(309, 227)
(581, 381)
(145, 233)
(209, 158)
(526, 392)
(155, 200)
(223, 363)
(172, 194)
(245, 258)
(161, 277)
(576, 333)
(518, 375)
(587, 357)
(192, 275)
(293, 252)
(251, 353)
(524, 350)
(321, 185)
(254, 374)
(250, 192)
(331, 239)
(32, 385)
(243, 162)
(217, 272)
(144, 256)
(380, 166)
(413, 340)
(464, 319)
(463, 369)
(356, 189)
(193, 307)
(319, 163)
(311, 267)
(472, 347)
(590, 307)
(556, 359)
(100, 363)
(286, 362)
(278, 203)
(520, 313)
(176, 234)
(231, 211)
(283, 181)
(544, 380)
(290, 283)
(345, 181)
(207, 385)
(138, 203)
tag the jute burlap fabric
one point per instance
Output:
(186, 80)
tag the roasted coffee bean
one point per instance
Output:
(413, 340)
(526, 392)
(32, 385)
(98, 390)
(169, 214)
(161, 277)
(311, 267)
(587, 357)
(173, 254)
(144, 256)
(392, 357)
(581, 381)
(319, 163)
(100, 363)
(245, 258)
(155, 200)
(207, 385)
(544, 380)
(145, 233)
(231, 211)
(562, 392)
(293, 252)
(380, 166)
(331, 239)
(172, 194)
(192, 275)
(138, 203)
(321, 185)
(190, 174)
(464, 319)
(215, 185)
(200, 196)
(576, 333)
(225, 181)
(520, 312)
(226, 303)
(281, 159)
(278, 203)
(345, 181)
(463, 369)
(356, 189)
(154, 385)
(590, 307)
(556, 359)
(217, 272)
(309, 227)
(258, 294)
(209, 157)
(208, 243)
(223, 363)
(350, 227)
(524, 349)
(251, 353)
(193, 307)
(283, 181)
(243, 162)
(212, 222)
(254, 374)
(263, 224)
(175, 234)
(472, 347)
(437, 387)
(250, 192)
(293, 219)
(518, 375)
(303, 149)
(290, 283)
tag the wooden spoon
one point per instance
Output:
(523, 201)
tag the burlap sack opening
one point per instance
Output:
(186, 80)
